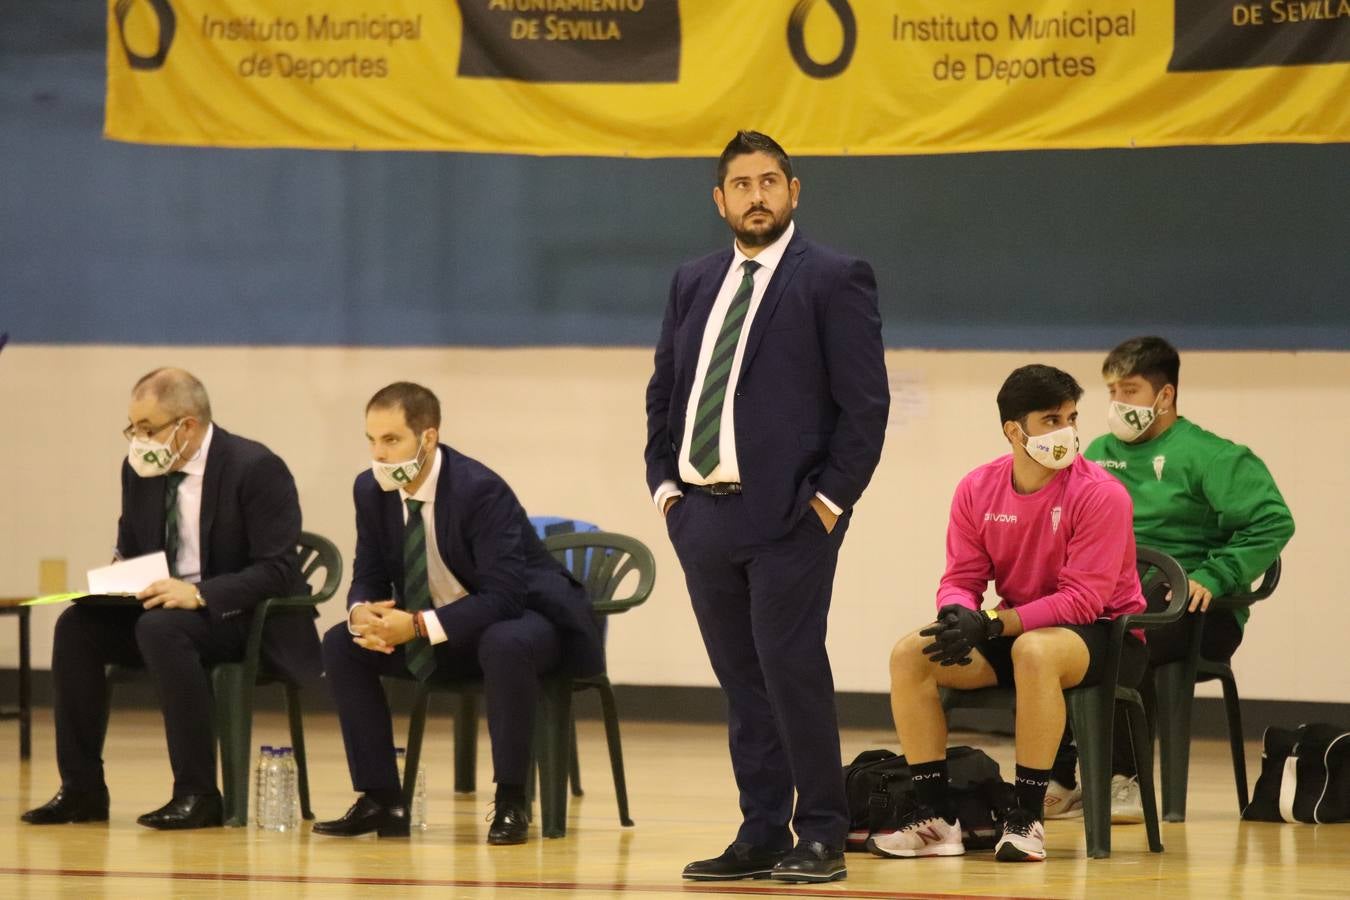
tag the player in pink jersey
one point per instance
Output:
(1054, 533)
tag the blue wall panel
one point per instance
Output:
(107, 243)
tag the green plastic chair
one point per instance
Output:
(233, 684)
(602, 570)
(1174, 684)
(1092, 710)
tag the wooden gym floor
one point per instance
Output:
(682, 800)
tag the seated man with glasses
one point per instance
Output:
(225, 512)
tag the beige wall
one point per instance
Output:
(566, 428)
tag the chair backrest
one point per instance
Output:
(603, 568)
(319, 554)
(1161, 576)
(547, 526)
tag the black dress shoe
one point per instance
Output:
(811, 861)
(510, 823)
(365, 816)
(189, 811)
(740, 860)
(70, 806)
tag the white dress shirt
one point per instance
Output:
(728, 466)
(445, 587)
(188, 565)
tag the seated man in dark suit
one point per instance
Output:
(225, 511)
(450, 581)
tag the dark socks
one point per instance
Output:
(930, 786)
(389, 797)
(1066, 761)
(511, 793)
(1030, 789)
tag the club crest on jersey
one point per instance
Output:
(1055, 514)
(1158, 463)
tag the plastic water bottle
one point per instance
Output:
(417, 816)
(260, 788)
(271, 802)
(288, 799)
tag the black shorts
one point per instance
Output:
(1097, 636)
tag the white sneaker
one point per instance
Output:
(1126, 807)
(922, 832)
(1063, 802)
(1023, 838)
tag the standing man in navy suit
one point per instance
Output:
(765, 419)
(450, 581)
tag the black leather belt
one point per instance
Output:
(718, 489)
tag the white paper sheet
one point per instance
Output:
(130, 576)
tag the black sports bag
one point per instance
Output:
(879, 791)
(1305, 776)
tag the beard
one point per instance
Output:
(761, 235)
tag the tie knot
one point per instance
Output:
(750, 267)
(414, 506)
(175, 479)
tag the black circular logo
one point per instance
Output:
(797, 39)
(167, 24)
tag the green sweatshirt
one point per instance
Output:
(1203, 499)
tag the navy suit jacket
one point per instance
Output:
(812, 398)
(486, 540)
(250, 523)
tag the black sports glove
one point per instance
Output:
(957, 631)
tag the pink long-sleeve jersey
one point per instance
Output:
(1063, 555)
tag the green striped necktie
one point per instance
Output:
(705, 450)
(171, 519)
(416, 589)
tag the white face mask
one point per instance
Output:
(391, 476)
(151, 458)
(1129, 422)
(1055, 450)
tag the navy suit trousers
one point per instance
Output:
(176, 646)
(509, 657)
(762, 609)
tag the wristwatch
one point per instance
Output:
(201, 601)
(993, 627)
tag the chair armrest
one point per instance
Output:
(1174, 576)
(1263, 589)
(298, 601)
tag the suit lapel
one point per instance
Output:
(216, 461)
(787, 267)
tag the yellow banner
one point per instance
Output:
(668, 78)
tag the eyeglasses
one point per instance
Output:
(147, 431)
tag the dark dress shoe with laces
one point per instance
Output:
(811, 861)
(740, 860)
(510, 823)
(70, 806)
(188, 811)
(365, 816)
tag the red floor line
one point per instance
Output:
(617, 887)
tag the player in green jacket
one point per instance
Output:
(1208, 502)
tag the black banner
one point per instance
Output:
(595, 41)
(1231, 34)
